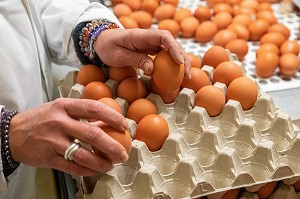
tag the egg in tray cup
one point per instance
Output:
(236, 152)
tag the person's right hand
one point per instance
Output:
(39, 137)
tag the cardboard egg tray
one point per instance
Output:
(203, 156)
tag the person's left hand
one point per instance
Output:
(131, 47)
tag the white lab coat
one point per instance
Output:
(32, 34)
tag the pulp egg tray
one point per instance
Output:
(202, 156)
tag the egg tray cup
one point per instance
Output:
(203, 155)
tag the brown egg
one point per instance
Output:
(115, 2)
(122, 9)
(123, 138)
(171, 25)
(128, 22)
(296, 186)
(269, 47)
(198, 80)
(212, 3)
(273, 37)
(140, 108)
(264, 6)
(167, 98)
(133, 4)
(288, 64)
(131, 89)
(222, 20)
(258, 28)
(244, 10)
(238, 47)
(266, 63)
(223, 7)
(167, 74)
(143, 18)
(153, 130)
(233, 2)
(173, 2)
(243, 90)
(211, 98)
(188, 26)
(166, 11)
(181, 14)
(281, 28)
(150, 6)
(268, 15)
(206, 31)
(89, 73)
(120, 73)
(243, 19)
(267, 190)
(96, 90)
(222, 37)
(214, 56)
(111, 103)
(250, 4)
(241, 31)
(195, 60)
(202, 13)
(226, 72)
(289, 46)
(231, 194)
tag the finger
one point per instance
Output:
(72, 168)
(187, 66)
(97, 138)
(92, 109)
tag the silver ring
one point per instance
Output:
(71, 150)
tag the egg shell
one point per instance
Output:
(195, 60)
(281, 28)
(153, 130)
(122, 9)
(226, 72)
(150, 6)
(222, 7)
(188, 26)
(131, 89)
(167, 74)
(143, 18)
(266, 63)
(273, 37)
(96, 90)
(296, 186)
(202, 13)
(214, 56)
(241, 31)
(171, 25)
(140, 108)
(167, 98)
(120, 73)
(222, 20)
(244, 10)
(233, 2)
(112, 103)
(250, 4)
(222, 37)
(289, 46)
(133, 4)
(211, 98)
(266, 190)
(166, 11)
(173, 2)
(268, 15)
(89, 73)
(238, 47)
(206, 31)
(258, 28)
(231, 194)
(269, 47)
(243, 19)
(243, 90)
(128, 22)
(181, 14)
(198, 80)
(288, 64)
(264, 6)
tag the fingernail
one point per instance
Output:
(124, 156)
(147, 67)
(124, 124)
(190, 74)
(181, 59)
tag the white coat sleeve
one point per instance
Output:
(3, 183)
(59, 18)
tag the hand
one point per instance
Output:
(131, 47)
(39, 137)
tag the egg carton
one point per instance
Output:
(203, 155)
(276, 82)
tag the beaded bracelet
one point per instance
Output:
(89, 34)
(8, 163)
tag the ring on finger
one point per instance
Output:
(71, 150)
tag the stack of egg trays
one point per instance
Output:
(203, 155)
